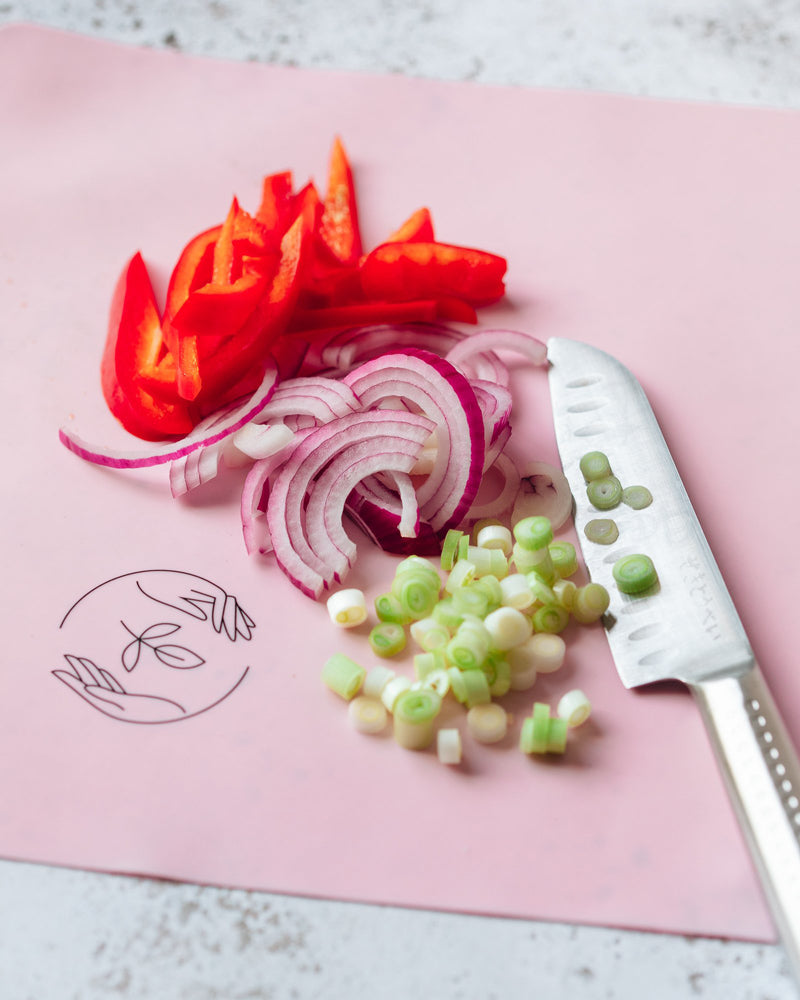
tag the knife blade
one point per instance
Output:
(685, 627)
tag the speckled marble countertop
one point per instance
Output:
(70, 935)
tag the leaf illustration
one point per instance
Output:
(178, 657)
(130, 655)
(158, 631)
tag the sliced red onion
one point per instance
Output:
(497, 447)
(255, 441)
(236, 417)
(381, 524)
(507, 493)
(445, 395)
(486, 341)
(313, 396)
(400, 498)
(495, 403)
(253, 504)
(544, 492)
(377, 432)
(346, 348)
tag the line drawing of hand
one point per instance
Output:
(104, 692)
(209, 602)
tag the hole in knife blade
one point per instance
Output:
(586, 406)
(591, 430)
(646, 631)
(584, 380)
(653, 659)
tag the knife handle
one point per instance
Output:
(762, 773)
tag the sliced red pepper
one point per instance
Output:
(339, 228)
(418, 228)
(275, 210)
(363, 313)
(402, 271)
(135, 345)
(456, 310)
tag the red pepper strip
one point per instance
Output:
(339, 223)
(134, 344)
(242, 355)
(363, 313)
(456, 310)
(275, 210)
(402, 271)
(418, 228)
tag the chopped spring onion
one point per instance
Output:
(635, 573)
(429, 663)
(376, 680)
(507, 628)
(387, 639)
(564, 558)
(544, 652)
(429, 634)
(591, 603)
(490, 586)
(438, 680)
(470, 687)
(542, 594)
(637, 497)
(605, 494)
(450, 548)
(601, 530)
(461, 574)
(487, 723)
(446, 614)
(471, 600)
(564, 592)
(448, 746)
(516, 591)
(533, 532)
(343, 675)
(521, 678)
(595, 465)
(367, 715)
(463, 547)
(534, 560)
(495, 536)
(487, 562)
(469, 647)
(347, 608)
(417, 591)
(415, 715)
(396, 686)
(550, 618)
(574, 707)
(535, 730)
(557, 735)
(498, 673)
(389, 609)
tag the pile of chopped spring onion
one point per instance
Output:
(394, 427)
(486, 621)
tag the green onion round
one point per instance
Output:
(605, 494)
(601, 530)
(637, 497)
(533, 533)
(595, 465)
(635, 573)
(387, 639)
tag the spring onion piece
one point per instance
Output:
(542, 593)
(574, 707)
(389, 609)
(545, 652)
(590, 604)
(637, 497)
(438, 680)
(564, 558)
(595, 465)
(535, 730)
(416, 591)
(534, 560)
(347, 608)
(461, 574)
(387, 639)
(557, 735)
(376, 680)
(605, 494)
(498, 673)
(521, 678)
(448, 746)
(343, 675)
(601, 530)
(487, 723)
(429, 634)
(463, 547)
(469, 647)
(367, 715)
(418, 564)
(471, 600)
(471, 687)
(450, 548)
(507, 627)
(564, 592)
(516, 592)
(490, 586)
(428, 663)
(445, 613)
(415, 715)
(487, 562)
(495, 536)
(550, 618)
(396, 686)
(634, 574)
(533, 532)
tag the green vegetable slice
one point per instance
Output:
(605, 494)
(637, 497)
(601, 530)
(595, 465)
(635, 573)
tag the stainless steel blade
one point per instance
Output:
(688, 629)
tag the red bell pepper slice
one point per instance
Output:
(338, 228)
(275, 210)
(418, 228)
(402, 271)
(135, 345)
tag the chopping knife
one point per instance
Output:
(684, 626)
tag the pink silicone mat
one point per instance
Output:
(666, 233)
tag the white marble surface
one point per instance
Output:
(70, 935)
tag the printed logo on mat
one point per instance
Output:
(155, 646)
